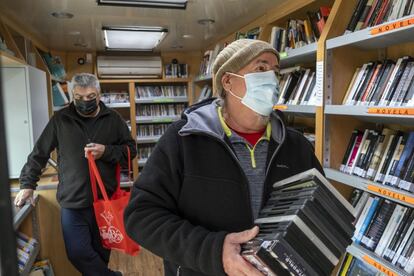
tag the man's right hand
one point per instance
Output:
(23, 196)
(233, 263)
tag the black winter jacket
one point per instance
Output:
(192, 192)
(67, 132)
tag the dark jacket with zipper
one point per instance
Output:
(193, 191)
(68, 133)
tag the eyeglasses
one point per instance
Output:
(277, 73)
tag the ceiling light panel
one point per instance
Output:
(171, 4)
(133, 38)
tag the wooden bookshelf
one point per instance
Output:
(309, 55)
(343, 54)
(9, 60)
(129, 110)
(25, 220)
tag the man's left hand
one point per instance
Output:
(97, 150)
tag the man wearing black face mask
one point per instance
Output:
(86, 125)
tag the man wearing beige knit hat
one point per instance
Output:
(205, 182)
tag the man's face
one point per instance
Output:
(86, 94)
(239, 112)
(264, 62)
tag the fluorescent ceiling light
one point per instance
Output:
(172, 4)
(133, 38)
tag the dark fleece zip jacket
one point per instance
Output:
(193, 191)
(68, 133)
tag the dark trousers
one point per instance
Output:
(83, 243)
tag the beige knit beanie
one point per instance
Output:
(235, 56)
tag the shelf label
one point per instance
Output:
(391, 194)
(392, 26)
(164, 100)
(280, 107)
(379, 266)
(283, 55)
(391, 111)
(319, 83)
(166, 120)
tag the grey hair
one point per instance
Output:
(85, 80)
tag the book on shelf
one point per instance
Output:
(297, 86)
(355, 267)
(144, 131)
(144, 152)
(304, 228)
(157, 110)
(154, 91)
(43, 267)
(299, 32)
(369, 13)
(250, 34)
(386, 229)
(25, 248)
(59, 96)
(54, 64)
(206, 93)
(382, 83)
(208, 60)
(385, 157)
(114, 97)
(176, 70)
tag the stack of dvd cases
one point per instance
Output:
(305, 227)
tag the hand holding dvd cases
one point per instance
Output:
(305, 227)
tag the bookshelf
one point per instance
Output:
(304, 54)
(25, 219)
(130, 110)
(308, 56)
(343, 54)
(396, 195)
(368, 257)
(158, 104)
(310, 116)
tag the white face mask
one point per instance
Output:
(262, 91)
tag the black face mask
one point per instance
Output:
(86, 107)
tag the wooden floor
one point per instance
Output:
(145, 264)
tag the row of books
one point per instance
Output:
(175, 70)
(111, 98)
(250, 34)
(151, 130)
(355, 267)
(299, 33)
(60, 95)
(161, 110)
(42, 268)
(54, 64)
(386, 157)
(297, 86)
(25, 248)
(385, 228)
(208, 59)
(144, 152)
(369, 13)
(206, 92)
(382, 83)
(152, 91)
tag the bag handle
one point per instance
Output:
(95, 176)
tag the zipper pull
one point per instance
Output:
(178, 270)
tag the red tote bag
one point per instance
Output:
(109, 212)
